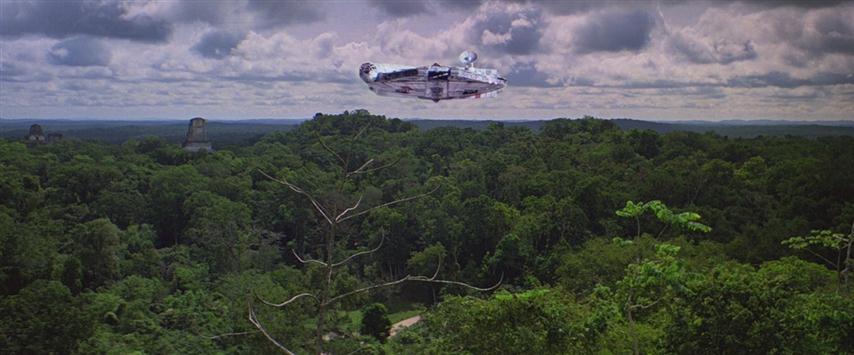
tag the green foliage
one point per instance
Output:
(139, 256)
(819, 238)
(43, 318)
(217, 230)
(826, 239)
(683, 221)
(535, 321)
(375, 321)
(96, 244)
(145, 248)
(738, 309)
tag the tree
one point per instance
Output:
(425, 261)
(217, 230)
(648, 284)
(96, 245)
(375, 321)
(44, 318)
(170, 187)
(685, 220)
(336, 211)
(826, 239)
(539, 321)
(735, 308)
(138, 256)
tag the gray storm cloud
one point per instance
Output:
(212, 12)
(218, 44)
(706, 51)
(509, 32)
(614, 30)
(61, 19)
(401, 8)
(526, 74)
(79, 52)
(272, 14)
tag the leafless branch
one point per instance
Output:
(439, 267)
(338, 218)
(365, 289)
(301, 295)
(306, 261)
(300, 191)
(254, 320)
(231, 334)
(365, 165)
(458, 283)
(414, 278)
(342, 262)
(333, 152)
(410, 198)
(360, 349)
(361, 131)
(362, 169)
(821, 257)
(643, 306)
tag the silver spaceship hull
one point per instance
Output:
(435, 82)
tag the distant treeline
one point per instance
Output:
(606, 241)
(223, 133)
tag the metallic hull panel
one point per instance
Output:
(432, 83)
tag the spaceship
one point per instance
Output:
(435, 82)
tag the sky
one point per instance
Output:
(654, 60)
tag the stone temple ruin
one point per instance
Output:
(36, 136)
(197, 136)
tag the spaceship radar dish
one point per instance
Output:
(468, 58)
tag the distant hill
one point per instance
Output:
(242, 131)
(742, 129)
(219, 132)
(427, 124)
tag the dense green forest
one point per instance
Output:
(224, 134)
(577, 238)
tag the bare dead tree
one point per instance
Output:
(325, 300)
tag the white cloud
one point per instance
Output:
(728, 61)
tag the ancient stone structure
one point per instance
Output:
(36, 135)
(197, 136)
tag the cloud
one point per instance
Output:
(404, 8)
(61, 19)
(828, 31)
(583, 6)
(794, 3)
(785, 80)
(278, 13)
(79, 52)
(511, 30)
(212, 12)
(614, 30)
(526, 74)
(400, 8)
(218, 44)
(460, 4)
(323, 45)
(10, 70)
(702, 50)
(711, 59)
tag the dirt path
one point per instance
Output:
(408, 322)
